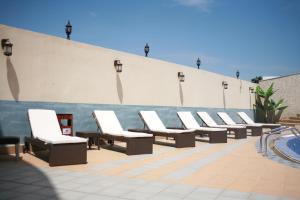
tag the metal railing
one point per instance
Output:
(275, 131)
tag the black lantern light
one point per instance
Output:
(68, 30)
(146, 49)
(225, 85)
(181, 76)
(198, 63)
(251, 89)
(7, 47)
(118, 65)
(237, 74)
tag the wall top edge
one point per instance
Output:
(2, 27)
(285, 76)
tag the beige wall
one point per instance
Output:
(52, 69)
(288, 89)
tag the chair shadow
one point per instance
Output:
(12, 80)
(114, 147)
(164, 143)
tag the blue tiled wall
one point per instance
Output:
(14, 121)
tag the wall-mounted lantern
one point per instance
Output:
(198, 63)
(118, 66)
(146, 49)
(68, 29)
(237, 74)
(181, 76)
(225, 85)
(251, 89)
(7, 47)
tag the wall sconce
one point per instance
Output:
(251, 89)
(237, 74)
(68, 29)
(7, 47)
(198, 63)
(146, 49)
(225, 85)
(118, 65)
(181, 76)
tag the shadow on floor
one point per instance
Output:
(21, 180)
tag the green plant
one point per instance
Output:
(267, 109)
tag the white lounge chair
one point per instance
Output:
(239, 131)
(216, 135)
(46, 134)
(256, 130)
(183, 138)
(111, 129)
(248, 120)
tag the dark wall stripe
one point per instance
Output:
(14, 121)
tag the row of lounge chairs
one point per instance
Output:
(65, 150)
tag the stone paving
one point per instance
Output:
(169, 173)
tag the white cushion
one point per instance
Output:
(230, 126)
(213, 129)
(109, 124)
(152, 120)
(229, 121)
(173, 130)
(207, 119)
(44, 126)
(188, 120)
(155, 124)
(108, 121)
(63, 139)
(190, 123)
(211, 123)
(225, 117)
(249, 121)
(43, 123)
(135, 134)
(246, 118)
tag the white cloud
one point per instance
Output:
(203, 5)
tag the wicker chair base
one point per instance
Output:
(134, 146)
(59, 154)
(215, 136)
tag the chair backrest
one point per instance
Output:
(225, 117)
(207, 119)
(43, 123)
(107, 121)
(188, 120)
(246, 118)
(152, 120)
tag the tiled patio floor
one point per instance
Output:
(210, 171)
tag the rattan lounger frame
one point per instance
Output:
(134, 146)
(182, 140)
(239, 133)
(214, 136)
(59, 154)
(255, 130)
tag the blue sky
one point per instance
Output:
(257, 37)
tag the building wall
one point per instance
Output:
(54, 71)
(287, 88)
